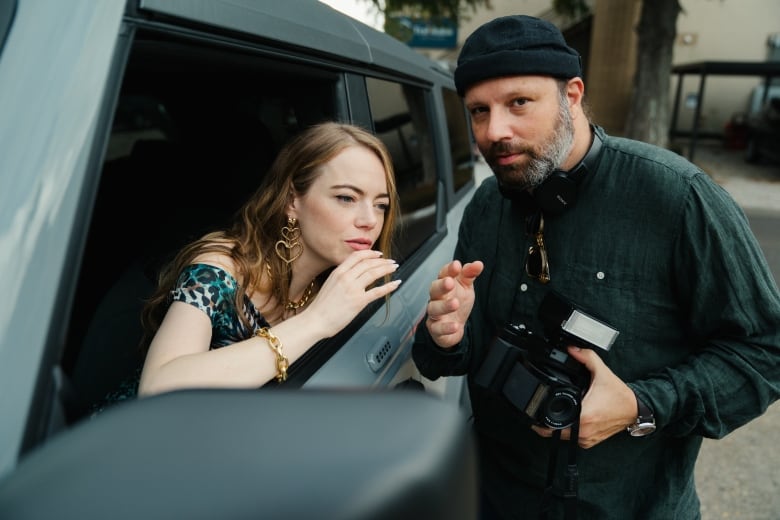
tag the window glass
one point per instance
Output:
(400, 120)
(6, 15)
(461, 142)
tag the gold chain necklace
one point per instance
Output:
(294, 306)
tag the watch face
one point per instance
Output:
(642, 429)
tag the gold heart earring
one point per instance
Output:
(289, 247)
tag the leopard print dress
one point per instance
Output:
(212, 290)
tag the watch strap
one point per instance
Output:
(644, 413)
(645, 420)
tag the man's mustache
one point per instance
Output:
(504, 148)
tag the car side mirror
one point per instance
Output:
(272, 453)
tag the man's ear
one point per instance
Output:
(575, 91)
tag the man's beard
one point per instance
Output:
(542, 161)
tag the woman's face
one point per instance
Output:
(344, 209)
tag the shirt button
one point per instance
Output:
(523, 287)
(600, 275)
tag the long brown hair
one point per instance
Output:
(250, 240)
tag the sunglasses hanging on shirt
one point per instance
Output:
(536, 263)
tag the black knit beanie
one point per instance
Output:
(515, 45)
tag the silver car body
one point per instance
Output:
(60, 67)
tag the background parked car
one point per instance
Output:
(132, 127)
(763, 133)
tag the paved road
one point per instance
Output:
(738, 477)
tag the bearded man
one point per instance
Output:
(589, 253)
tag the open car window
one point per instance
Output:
(194, 130)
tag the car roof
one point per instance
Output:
(317, 27)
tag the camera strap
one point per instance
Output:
(569, 491)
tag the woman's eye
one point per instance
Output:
(383, 207)
(345, 198)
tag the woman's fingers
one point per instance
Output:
(382, 290)
(348, 288)
(357, 257)
(365, 267)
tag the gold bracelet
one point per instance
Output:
(282, 363)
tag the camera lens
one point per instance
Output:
(562, 408)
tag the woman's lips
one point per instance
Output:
(359, 245)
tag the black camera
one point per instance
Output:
(536, 374)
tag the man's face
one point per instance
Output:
(522, 126)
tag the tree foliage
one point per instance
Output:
(431, 9)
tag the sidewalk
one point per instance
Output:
(753, 186)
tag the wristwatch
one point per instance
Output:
(645, 421)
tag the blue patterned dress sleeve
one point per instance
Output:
(212, 290)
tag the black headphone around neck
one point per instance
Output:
(558, 192)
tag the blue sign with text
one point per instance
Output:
(440, 33)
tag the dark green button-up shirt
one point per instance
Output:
(658, 250)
